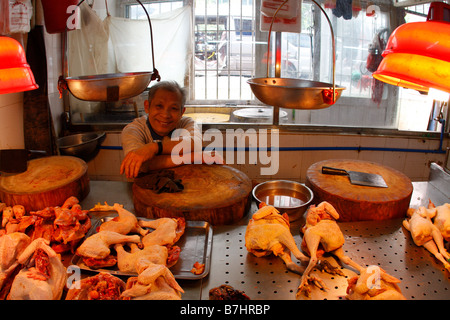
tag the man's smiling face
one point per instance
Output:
(164, 111)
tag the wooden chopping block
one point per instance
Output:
(48, 182)
(360, 203)
(218, 194)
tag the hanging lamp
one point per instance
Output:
(15, 73)
(417, 54)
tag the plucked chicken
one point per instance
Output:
(43, 277)
(442, 219)
(98, 245)
(154, 282)
(322, 234)
(269, 232)
(11, 246)
(374, 284)
(167, 231)
(425, 233)
(125, 223)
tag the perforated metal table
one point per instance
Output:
(387, 245)
(383, 243)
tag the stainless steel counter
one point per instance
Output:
(383, 243)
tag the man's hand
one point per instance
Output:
(134, 159)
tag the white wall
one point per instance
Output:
(293, 164)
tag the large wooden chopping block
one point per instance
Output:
(359, 203)
(218, 194)
(48, 182)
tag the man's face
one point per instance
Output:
(164, 111)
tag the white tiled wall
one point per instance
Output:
(293, 164)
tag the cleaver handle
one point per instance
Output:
(334, 171)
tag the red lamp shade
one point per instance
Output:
(417, 56)
(15, 73)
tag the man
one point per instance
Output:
(147, 141)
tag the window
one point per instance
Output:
(228, 48)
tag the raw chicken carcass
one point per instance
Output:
(442, 220)
(167, 231)
(269, 232)
(126, 261)
(43, 277)
(11, 246)
(425, 233)
(125, 223)
(366, 286)
(154, 282)
(102, 286)
(97, 245)
(322, 234)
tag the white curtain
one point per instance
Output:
(171, 40)
(123, 45)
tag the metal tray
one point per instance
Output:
(195, 244)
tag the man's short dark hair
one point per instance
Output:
(168, 85)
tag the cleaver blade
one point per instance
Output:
(358, 178)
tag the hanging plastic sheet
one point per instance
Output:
(88, 53)
(172, 40)
(119, 45)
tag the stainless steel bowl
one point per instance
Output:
(282, 190)
(294, 93)
(81, 145)
(109, 87)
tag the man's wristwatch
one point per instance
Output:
(160, 147)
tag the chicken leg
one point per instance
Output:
(126, 261)
(126, 222)
(97, 245)
(322, 230)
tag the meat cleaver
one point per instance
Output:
(358, 178)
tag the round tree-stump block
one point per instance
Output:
(48, 182)
(218, 194)
(360, 203)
